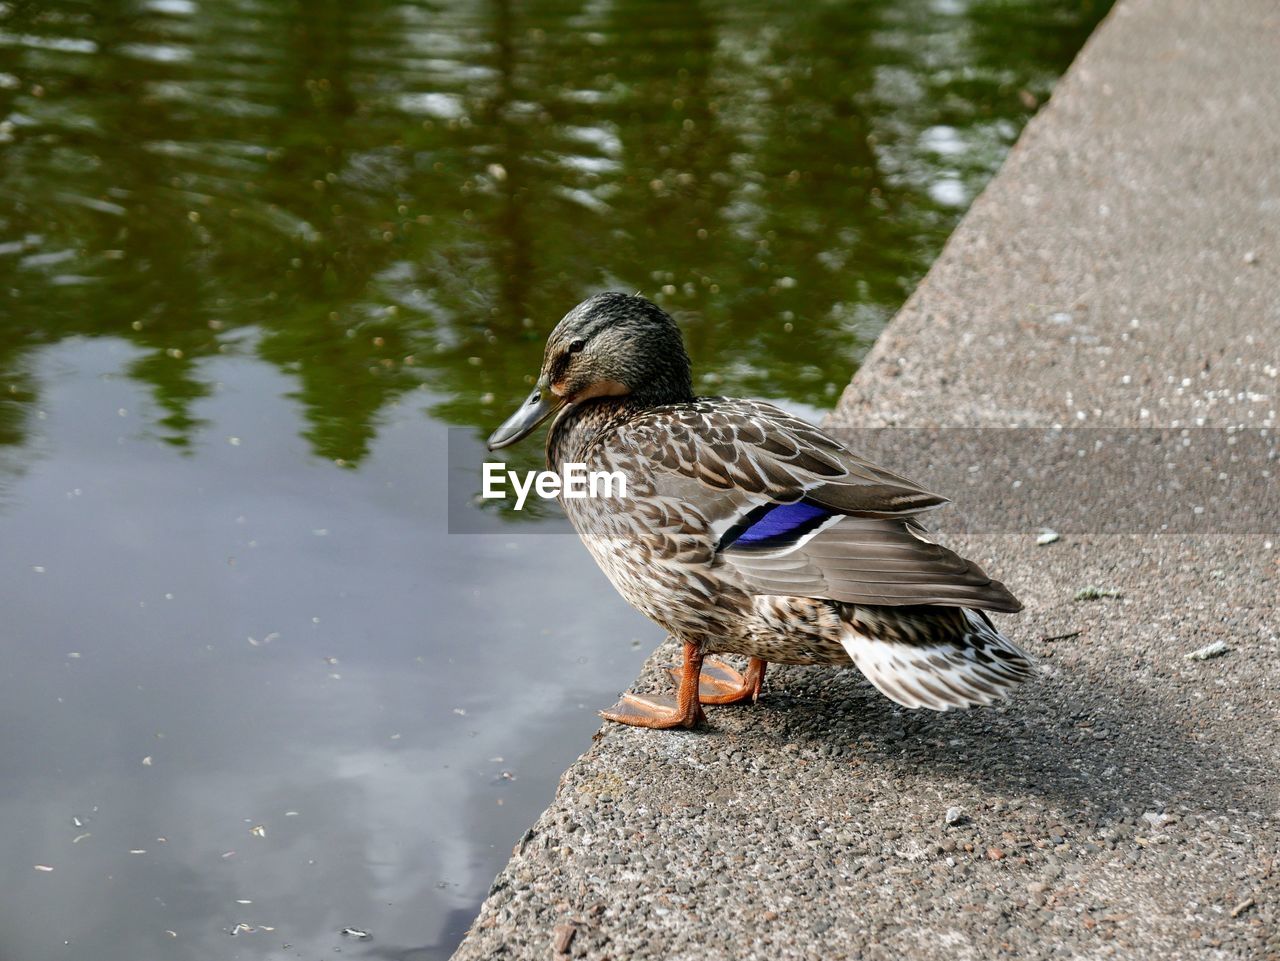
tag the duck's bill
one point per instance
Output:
(540, 405)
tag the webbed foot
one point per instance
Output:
(653, 710)
(719, 683)
(660, 710)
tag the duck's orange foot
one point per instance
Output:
(719, 683)
(655, 711)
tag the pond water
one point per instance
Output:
(257, 260)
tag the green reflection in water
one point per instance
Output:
(376, 195)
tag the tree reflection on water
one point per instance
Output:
(375, 195)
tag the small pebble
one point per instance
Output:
(1216, 649)
(1047, 536)
(562, 938)
(1095, 593)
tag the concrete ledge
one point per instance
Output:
(1122, 268)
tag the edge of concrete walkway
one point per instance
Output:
(1121, 269)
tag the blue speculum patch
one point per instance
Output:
(775, 525)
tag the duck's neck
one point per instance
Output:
(575, 429)
(572, 430)
(677, 390)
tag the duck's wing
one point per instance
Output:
(794, 512)
(751, 448)
(862, 560)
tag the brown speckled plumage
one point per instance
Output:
(860, 583)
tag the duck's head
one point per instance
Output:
(611, 345)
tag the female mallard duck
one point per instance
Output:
(746, 530)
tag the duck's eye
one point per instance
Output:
(576, 346)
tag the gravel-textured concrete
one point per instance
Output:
(1122, 269)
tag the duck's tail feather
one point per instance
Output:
(935, 657)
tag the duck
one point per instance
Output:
(746, 530)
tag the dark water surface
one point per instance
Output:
(256, 257)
